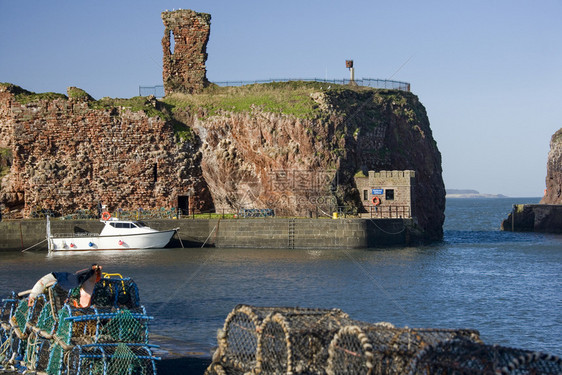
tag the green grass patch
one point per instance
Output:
(210, 216)
(183, 132)
(5, 153)
(290, 98)
(23, 96)
(557, 137)
(135, 104)
(41, 96)
(3, 172)
(5, 162)
(78, 94)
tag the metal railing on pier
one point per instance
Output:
(390, 212)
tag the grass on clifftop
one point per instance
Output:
(291, 98)
(135, 104)
(23, 96)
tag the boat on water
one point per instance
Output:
(116, 235)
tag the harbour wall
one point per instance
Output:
(545, 218)
(279, 233)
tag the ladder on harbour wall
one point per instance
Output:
(291, 244)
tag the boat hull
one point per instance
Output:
(92, 242)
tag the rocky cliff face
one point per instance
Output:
(293, 147)
(553, 193)
(263, 158)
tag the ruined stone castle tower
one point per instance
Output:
(185, 50)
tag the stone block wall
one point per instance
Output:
(68, 156)
(313, 233)
(268, 233)
(401, 183)
(185, 50)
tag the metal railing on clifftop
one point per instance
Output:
(158, 91)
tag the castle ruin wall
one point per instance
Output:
(185, 51)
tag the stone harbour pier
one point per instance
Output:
(275, 233)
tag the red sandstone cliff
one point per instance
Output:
(554, 171)
(268, 159)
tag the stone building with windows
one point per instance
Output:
(387, 194)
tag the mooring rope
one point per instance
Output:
(209, 236)
(382, 230)
(30, 247)
(179, 238)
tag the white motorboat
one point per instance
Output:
(116, 235)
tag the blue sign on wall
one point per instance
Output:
(377, 191)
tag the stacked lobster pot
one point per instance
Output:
(381, 348)
(270, 340)
(275, 340)
(238, 340)
(467, 357)
(53, 337)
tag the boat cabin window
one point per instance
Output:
(139, 224)
(121, 225)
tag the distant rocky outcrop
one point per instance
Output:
(547, 216)
(553, 193)
(534, 218)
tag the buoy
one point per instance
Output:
(91, 244)
(72, 245)
(121, 243)
(105, 216)
(376, 201)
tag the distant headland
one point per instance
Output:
(468, 193)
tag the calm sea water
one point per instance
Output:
(506, 285)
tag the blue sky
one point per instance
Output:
(488, 72)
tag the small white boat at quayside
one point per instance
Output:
(116, 235)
